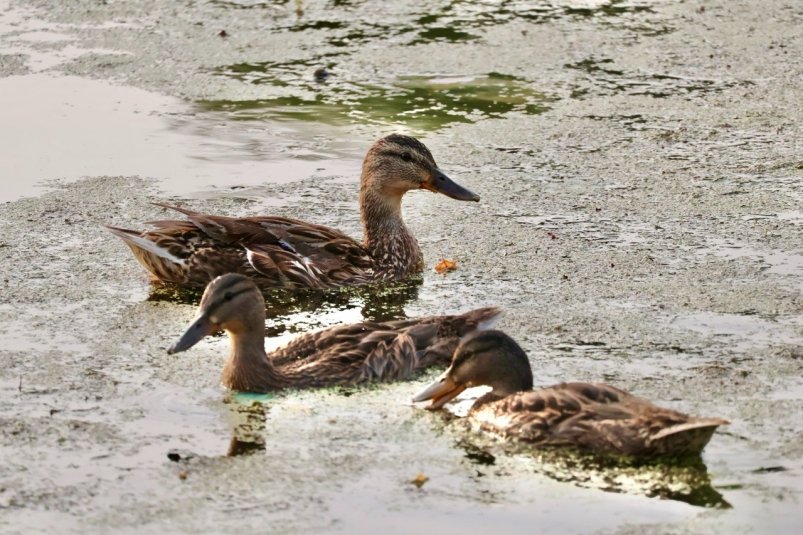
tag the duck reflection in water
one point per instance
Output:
(247, 417)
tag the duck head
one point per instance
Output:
(487, 358)
(397, 164)
(232, 303)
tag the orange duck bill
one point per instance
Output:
(438, 182)
(441, 391)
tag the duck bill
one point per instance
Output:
(201, 327)
(441, 392)
(438, 182)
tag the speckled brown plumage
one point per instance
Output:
(589, 416)
(341, 355)
(279, 252)
(274, 251)
(596, 417)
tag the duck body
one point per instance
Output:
(278, 252)
(594, 417)
(358, 353)
(342, 355)
(589, 416)
(275, 252)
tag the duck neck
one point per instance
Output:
(248, 368)
(386, 236)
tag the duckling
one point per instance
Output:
(588, 416)
(341, 355)
(279, 252)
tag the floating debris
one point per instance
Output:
(322, 74)
(445, 265)
(419, 480)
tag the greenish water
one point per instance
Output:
(290, 90)
(639, 223)
(418, 102)
(604, 78)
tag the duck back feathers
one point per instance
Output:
(596, 417)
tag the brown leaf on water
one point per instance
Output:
(419, 480)
(445, 265)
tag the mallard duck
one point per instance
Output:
(341, 355)
(589, 416)
(279, 252)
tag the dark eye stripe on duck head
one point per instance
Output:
(407, 145)
(226, 289)
(409, 157)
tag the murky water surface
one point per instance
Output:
(640, 173)
(67, 134)
(420, 102)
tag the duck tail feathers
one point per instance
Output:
(176, 208)
(135, 240)
(687, 438)
(480, 319)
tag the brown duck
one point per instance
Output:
(589, 416)
(279, 252)
(341, 355)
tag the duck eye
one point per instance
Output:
(227, 296)
(407, 157)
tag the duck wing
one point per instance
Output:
(372, 351)
(311, 346)
(534, 416)
(295, 253)
(376, 355)
(597, 417)
(274, 251)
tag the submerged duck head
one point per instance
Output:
(487, 358)
(231, 303)
(397, 164)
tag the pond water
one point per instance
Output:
(639, 168)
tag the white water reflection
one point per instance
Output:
(76, 127)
